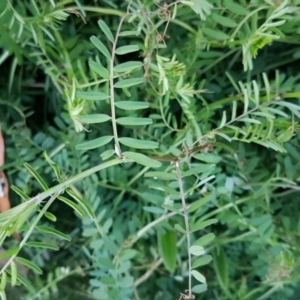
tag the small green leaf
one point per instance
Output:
(197, 204)
(285, 136)
(142, 159)
(96, 143)
(126, 282)
(82, 202)
(94, 118)
(73, 205)
(223, 122)
(201, 261)
(203, 224)
(125, 83)
(138, 144)
(198, 276)
(161, 175)
(208, 158)
(294, 108)
(129, 33)
(54, 166)
(106, 30)
(89, 232)
(197, 250)
(215, 34)
(42, 245)
(163, 187)
(107, 154)
(29, 264)
(131, 105)
(108, 280)
(179, 228)
(53, 231)
(220, 262)
(224, 21)
(199, 288)
(99, 69)
(105, 262)
(127, 49)
(10, 252)
(14, 273)
(37, 176)
(3, 284)
(204, 240)
(128, 66)
(134, 121)
(23, 280)
(199, 169)
(167, 245)
(100, 294)
(50, 216)
(127, 254)
(92, 95)
(100, 46)
(235, 7)
(172, 208)
(249, 120)
(153, 209)
(20, 192)
(201, 7)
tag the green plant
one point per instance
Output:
(173, 152)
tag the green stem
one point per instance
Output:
(187, 226)
(142, 231)
(269, 292)
(112, 89)
(60, 187)
(104, 11)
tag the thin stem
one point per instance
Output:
(138, 175)
(187, 226)
(146, 228)
(154, 223)
(98, 10)
(136, 294)
(225, 207)
(269, 292)
(148, 273)
(100, 231)
(112, 90)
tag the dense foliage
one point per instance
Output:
(152, 149)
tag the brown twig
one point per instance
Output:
(207, 147)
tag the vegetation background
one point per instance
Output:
(153, 149)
